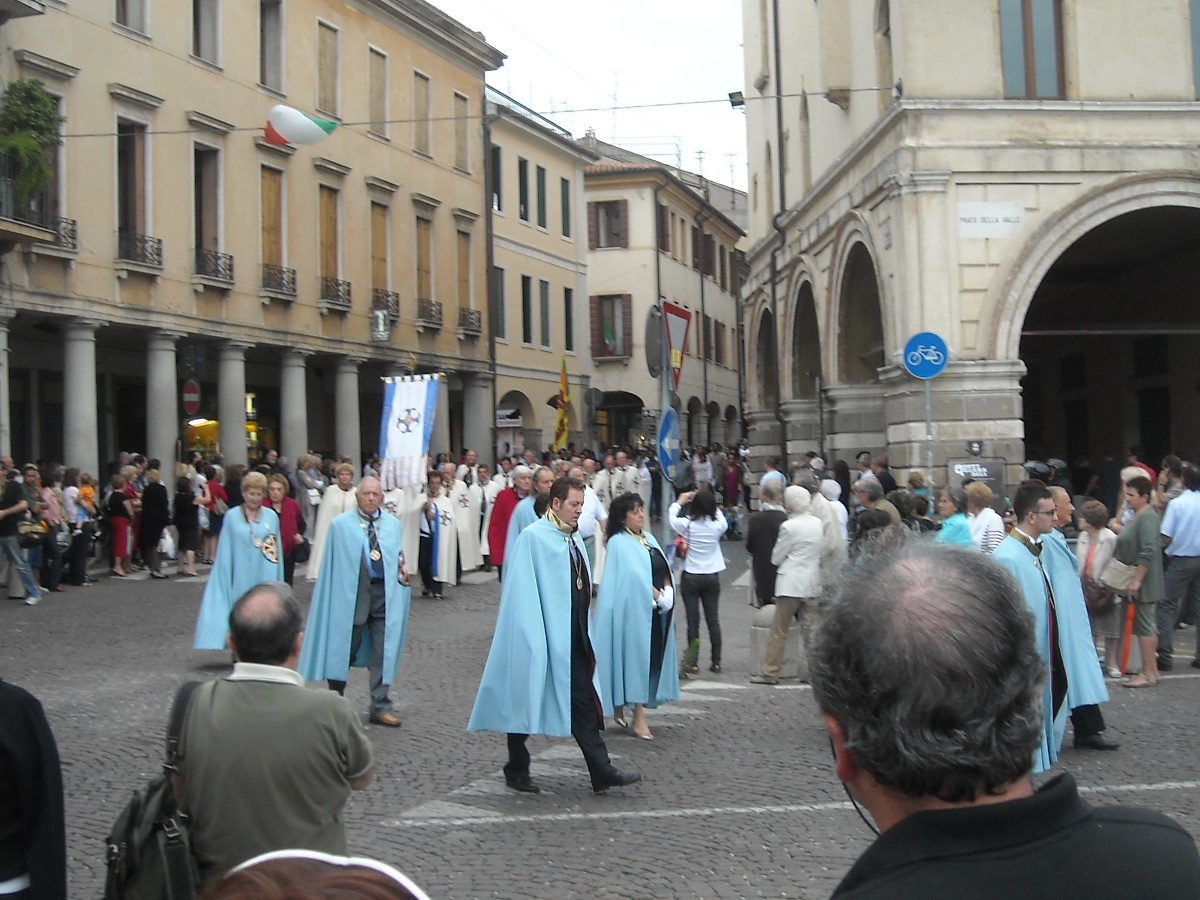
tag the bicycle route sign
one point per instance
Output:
(925, 355)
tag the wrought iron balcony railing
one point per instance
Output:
(470, 321)
(67, 231)
(139, 248)
(215, 265)
(386, 300)
(279, 279)
(335, 293)
(429, 313)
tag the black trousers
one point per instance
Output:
(425, 566)
(1087, 720)
(585, 719)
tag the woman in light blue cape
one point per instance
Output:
(250, 552)
(631, 619)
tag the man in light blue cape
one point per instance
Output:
(360, 603)
(540, 673)
(1045, 570)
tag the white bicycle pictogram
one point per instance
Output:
(928, 354)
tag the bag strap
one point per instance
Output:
(179, 710)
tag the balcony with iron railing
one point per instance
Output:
(140, 250)
(215, 268)
(429, 314)
(28, 222)
(278, 283)
(335, 295)
(470, 322)
(389, 301)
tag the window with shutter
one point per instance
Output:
(462, 133)
(526, 310)
(377, 90)
(607, 223)
(329, 232)
(664, 228)
(272, 217)
(270, 44)
(697, 248)
(544, 310)
(464, 271)
(422, 139)
(565, 184)
(523, 189)
(499, 313)
(327, 68)
(569, 320)
(612, 325)
(379, 247)
(424, 259)
(541, 197)
(497, 176)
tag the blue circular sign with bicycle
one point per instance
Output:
(925, 355)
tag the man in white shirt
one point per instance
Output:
(605, 481)
(592, 520)
(469, 464)
(504, 476)
(1180, 534)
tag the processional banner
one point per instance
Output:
(409, 407)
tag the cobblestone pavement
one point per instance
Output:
(739, 798)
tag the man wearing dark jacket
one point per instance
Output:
(762, 530)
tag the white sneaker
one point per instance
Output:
(32, 601)
(44, 590)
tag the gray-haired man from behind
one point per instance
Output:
(928, 678)
(266, 764)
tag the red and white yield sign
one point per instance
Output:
(191, 397)
(676, 320)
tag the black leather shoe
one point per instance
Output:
(1095, 742)
(616, 778)
(1195, 663)
(524, 784)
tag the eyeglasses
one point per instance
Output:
(1045, 512)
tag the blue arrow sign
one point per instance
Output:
(668, 443)
(925, 355)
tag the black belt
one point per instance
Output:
(376, 581)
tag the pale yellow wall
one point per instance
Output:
(522, 248)
(160, 64)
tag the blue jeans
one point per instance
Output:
(11, 549)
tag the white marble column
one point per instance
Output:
(231, 403)
(439, 439)
(347, 426)
(5, 387)
(293, 405)
(80, 409)
(478, 414)
(162, 400)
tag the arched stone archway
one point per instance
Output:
(766, 363)
(516, 424)
(861, 350)
(806, 345)
(713, 430)
(695, 421)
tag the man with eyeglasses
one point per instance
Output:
(1036, 554)
(935, 739)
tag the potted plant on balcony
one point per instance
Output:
(29, 123)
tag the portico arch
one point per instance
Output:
(766, 362)
(806, 344)
(861, 348)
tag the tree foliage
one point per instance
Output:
(29, 123)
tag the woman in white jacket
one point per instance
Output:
(797, 555)
(1093, 550)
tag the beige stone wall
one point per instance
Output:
(160, 65)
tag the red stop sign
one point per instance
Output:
(191, 397)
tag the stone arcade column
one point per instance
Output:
(439, 440)
(478, 415)
(293, 405)
(231, 403)
(5, 387)
(162, 401)
(80, 427)
(347, 425)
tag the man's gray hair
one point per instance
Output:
(926, 657)
(871, 487)
(771, 491)
(807, 479)
(518, 471)
(797, 500)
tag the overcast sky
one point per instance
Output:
(566, 56)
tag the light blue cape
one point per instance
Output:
(526, 684)
(622, 619)
(325, 652)
(1085, 683)
(238, 567)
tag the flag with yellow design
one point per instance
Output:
(564, 399)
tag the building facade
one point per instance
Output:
(1017, 176)
(286, 280)
(651, 236)
(539, 276)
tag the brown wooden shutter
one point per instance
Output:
(327, 68)
(627, 315)
(272, 217)
(623, 220)
(593, 216)
(664, 228)
(596, 319)
(379, 246)
(329, 232)
(378, 92)
(464, 270)
(424, 259)
(697, 247)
